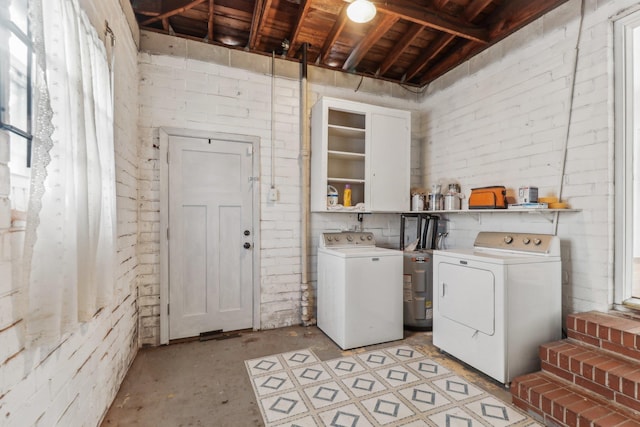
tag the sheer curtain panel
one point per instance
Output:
(69, 256)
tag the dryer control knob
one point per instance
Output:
(508, 239)
(526, 240)
(362, 238)
(337, 238)
(537, 241)
(369, 237)
(350, 238)
(329, 238)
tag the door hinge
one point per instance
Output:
(167, 233)
(167, 157)
(250, 150)
(168, 310)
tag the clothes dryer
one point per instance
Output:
(495, 304)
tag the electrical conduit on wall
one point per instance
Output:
(569, 115)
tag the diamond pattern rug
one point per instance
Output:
(396, 386)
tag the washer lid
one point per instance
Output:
(360, 252)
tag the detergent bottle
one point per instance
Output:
(332, 195)
(347, 195)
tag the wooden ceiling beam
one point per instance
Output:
(401, 46)
(434, 49)
(367, 43)
(257, 24)
(171, 13)
(436, 20)
(471, 12)
(147, 7)
(303, 10)
(508, 20)
(337, 28)
(210, 21)
(475, 8)
(515, 12)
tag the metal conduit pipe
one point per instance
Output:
(306, 302)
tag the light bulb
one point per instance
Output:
(361, 11)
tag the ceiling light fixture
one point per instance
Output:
(361, 11)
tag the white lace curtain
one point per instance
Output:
(69, 255)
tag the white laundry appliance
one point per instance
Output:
(495, 304)
(359, 291)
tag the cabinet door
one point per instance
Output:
(389, 161)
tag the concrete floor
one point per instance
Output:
(205, 383)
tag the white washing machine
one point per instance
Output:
(359, 290)
(495, 304)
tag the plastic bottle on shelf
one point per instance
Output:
(347, 195)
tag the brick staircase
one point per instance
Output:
(590, 379)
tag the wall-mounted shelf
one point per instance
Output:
(477, 212)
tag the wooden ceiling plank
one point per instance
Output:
(165, 24)
(147, 7)
(511, 17)
(303, 11)
(502, 26)
(262, 18)
(210, 21)
(434, 19)
(255, 23)
(171, 13)
(331, 39)
(474, 9)
(401, 46)
(371, 39)
(434, 49)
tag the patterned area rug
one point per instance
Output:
(396, 386)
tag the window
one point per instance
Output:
(16, 60)
(627, 158)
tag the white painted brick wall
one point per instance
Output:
(503, 122)
(227, 99)
(73, 383)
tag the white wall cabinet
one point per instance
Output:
(365, 146)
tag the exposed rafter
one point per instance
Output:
(471, 12)
(210, 21)
(172, 12)
(403, 44)
(371, 38)
(258, 22)
(305, 6)
(337, 28)
(508, 20)
(410, 41)
(431, 18)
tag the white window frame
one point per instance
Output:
(624, 152)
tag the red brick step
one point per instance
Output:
(618, 333)
(614, 378)
(554, 401)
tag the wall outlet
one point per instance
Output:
(273, 195)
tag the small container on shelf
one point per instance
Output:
(347, 195)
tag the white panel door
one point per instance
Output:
(210, 222)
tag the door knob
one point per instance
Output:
(247, 232)
(247, 245)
